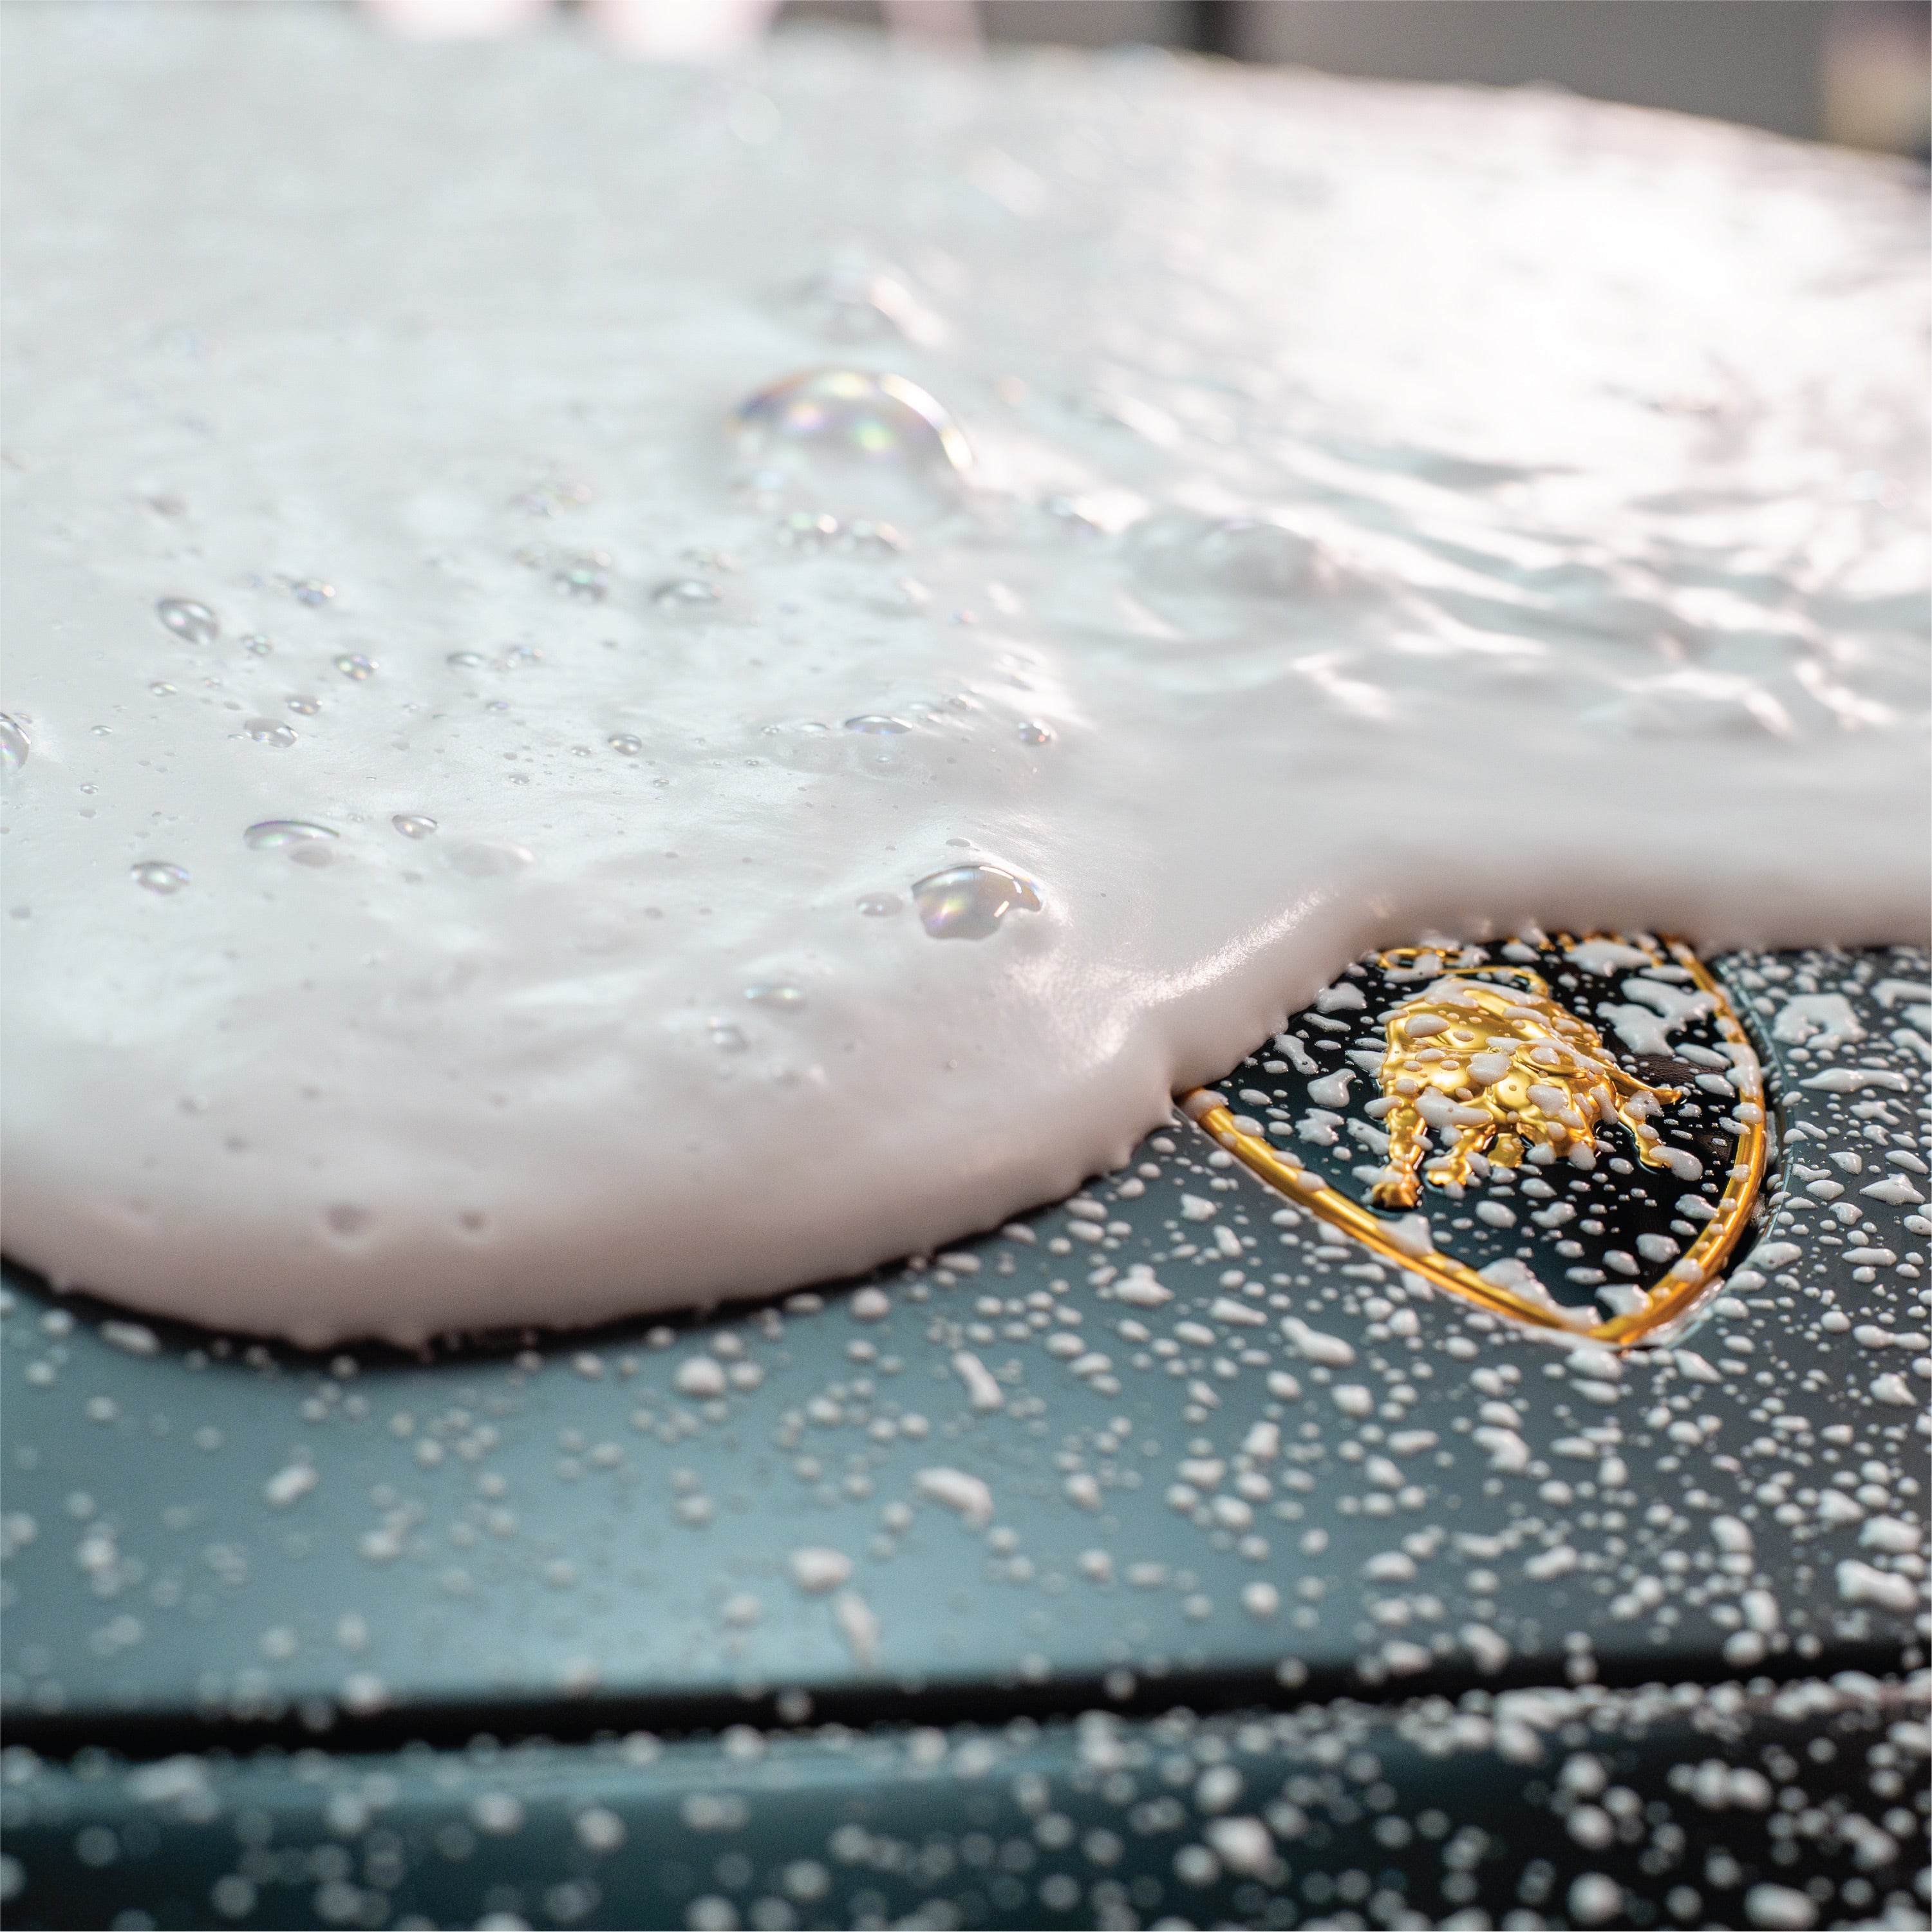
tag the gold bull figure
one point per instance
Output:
(1494, 1067)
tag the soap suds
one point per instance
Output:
(487, 845)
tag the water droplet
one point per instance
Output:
(874, 722)
(808, 529)
(14, 743)
(311, 591)
(1031, 733)
(585, 577)
(854, 439)
(413, 824)
(195, 623)
(306, 843)
(880, 905)
(157, 875)
(783, 998)
(304, 705)
(623, 741)
(969, 901)
(684, 592)
(269, 731)
(257, 645)
(726, 1037)
(491, 862)
(465, 660)
(354, 665)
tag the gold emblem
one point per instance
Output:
(1486, 1057)
(1504, 1065)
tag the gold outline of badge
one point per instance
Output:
(1683, 1286)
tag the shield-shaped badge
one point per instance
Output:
(1569, 1132)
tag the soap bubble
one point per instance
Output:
(880, 905)
(1032, 733)
(969, 901)
(684, 593)
(194, 623)
(14, 743)
(355, 666)
(628, 743)
(877, 725)
(784, 998)
(850, 439)
(413, 824)
(269, 731)
(157, 875)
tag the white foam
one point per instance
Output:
(1392, 512)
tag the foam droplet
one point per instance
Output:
(14, 743)
(157, 875)
(969, 901)
(194, 623)
(852, 439)
(413, 824)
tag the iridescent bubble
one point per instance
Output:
(876, 724)
(684, 593)
(157, 875)
(413, 824)
(195, 623)
(726, 1037)
(299, 839)
(969, 901)
(304, 705)
(784, 999)
(1032, 733)
(880, 905)
(269, 731)
(14, 743)
(311, 591)
(354, 665)
(257, 645)
(626, 742)
(491, 862)
(850, 439)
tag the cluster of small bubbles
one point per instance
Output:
(684, 593)
(491, 862)
(311, 591)
(726, 1037)
(256, 645)
(584, 577)
(880, 905)
(269, 731)
(413, 824)
(194, 623)
(877, 723)
(850, 432)
(465, 660)
(969, 901)
(304, 705)
(787, 999)
(1034, 733)
(625, 742)
(157, 875)
(14, 743)
(306, 843)
(354, 665)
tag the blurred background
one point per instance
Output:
(1851, 71)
